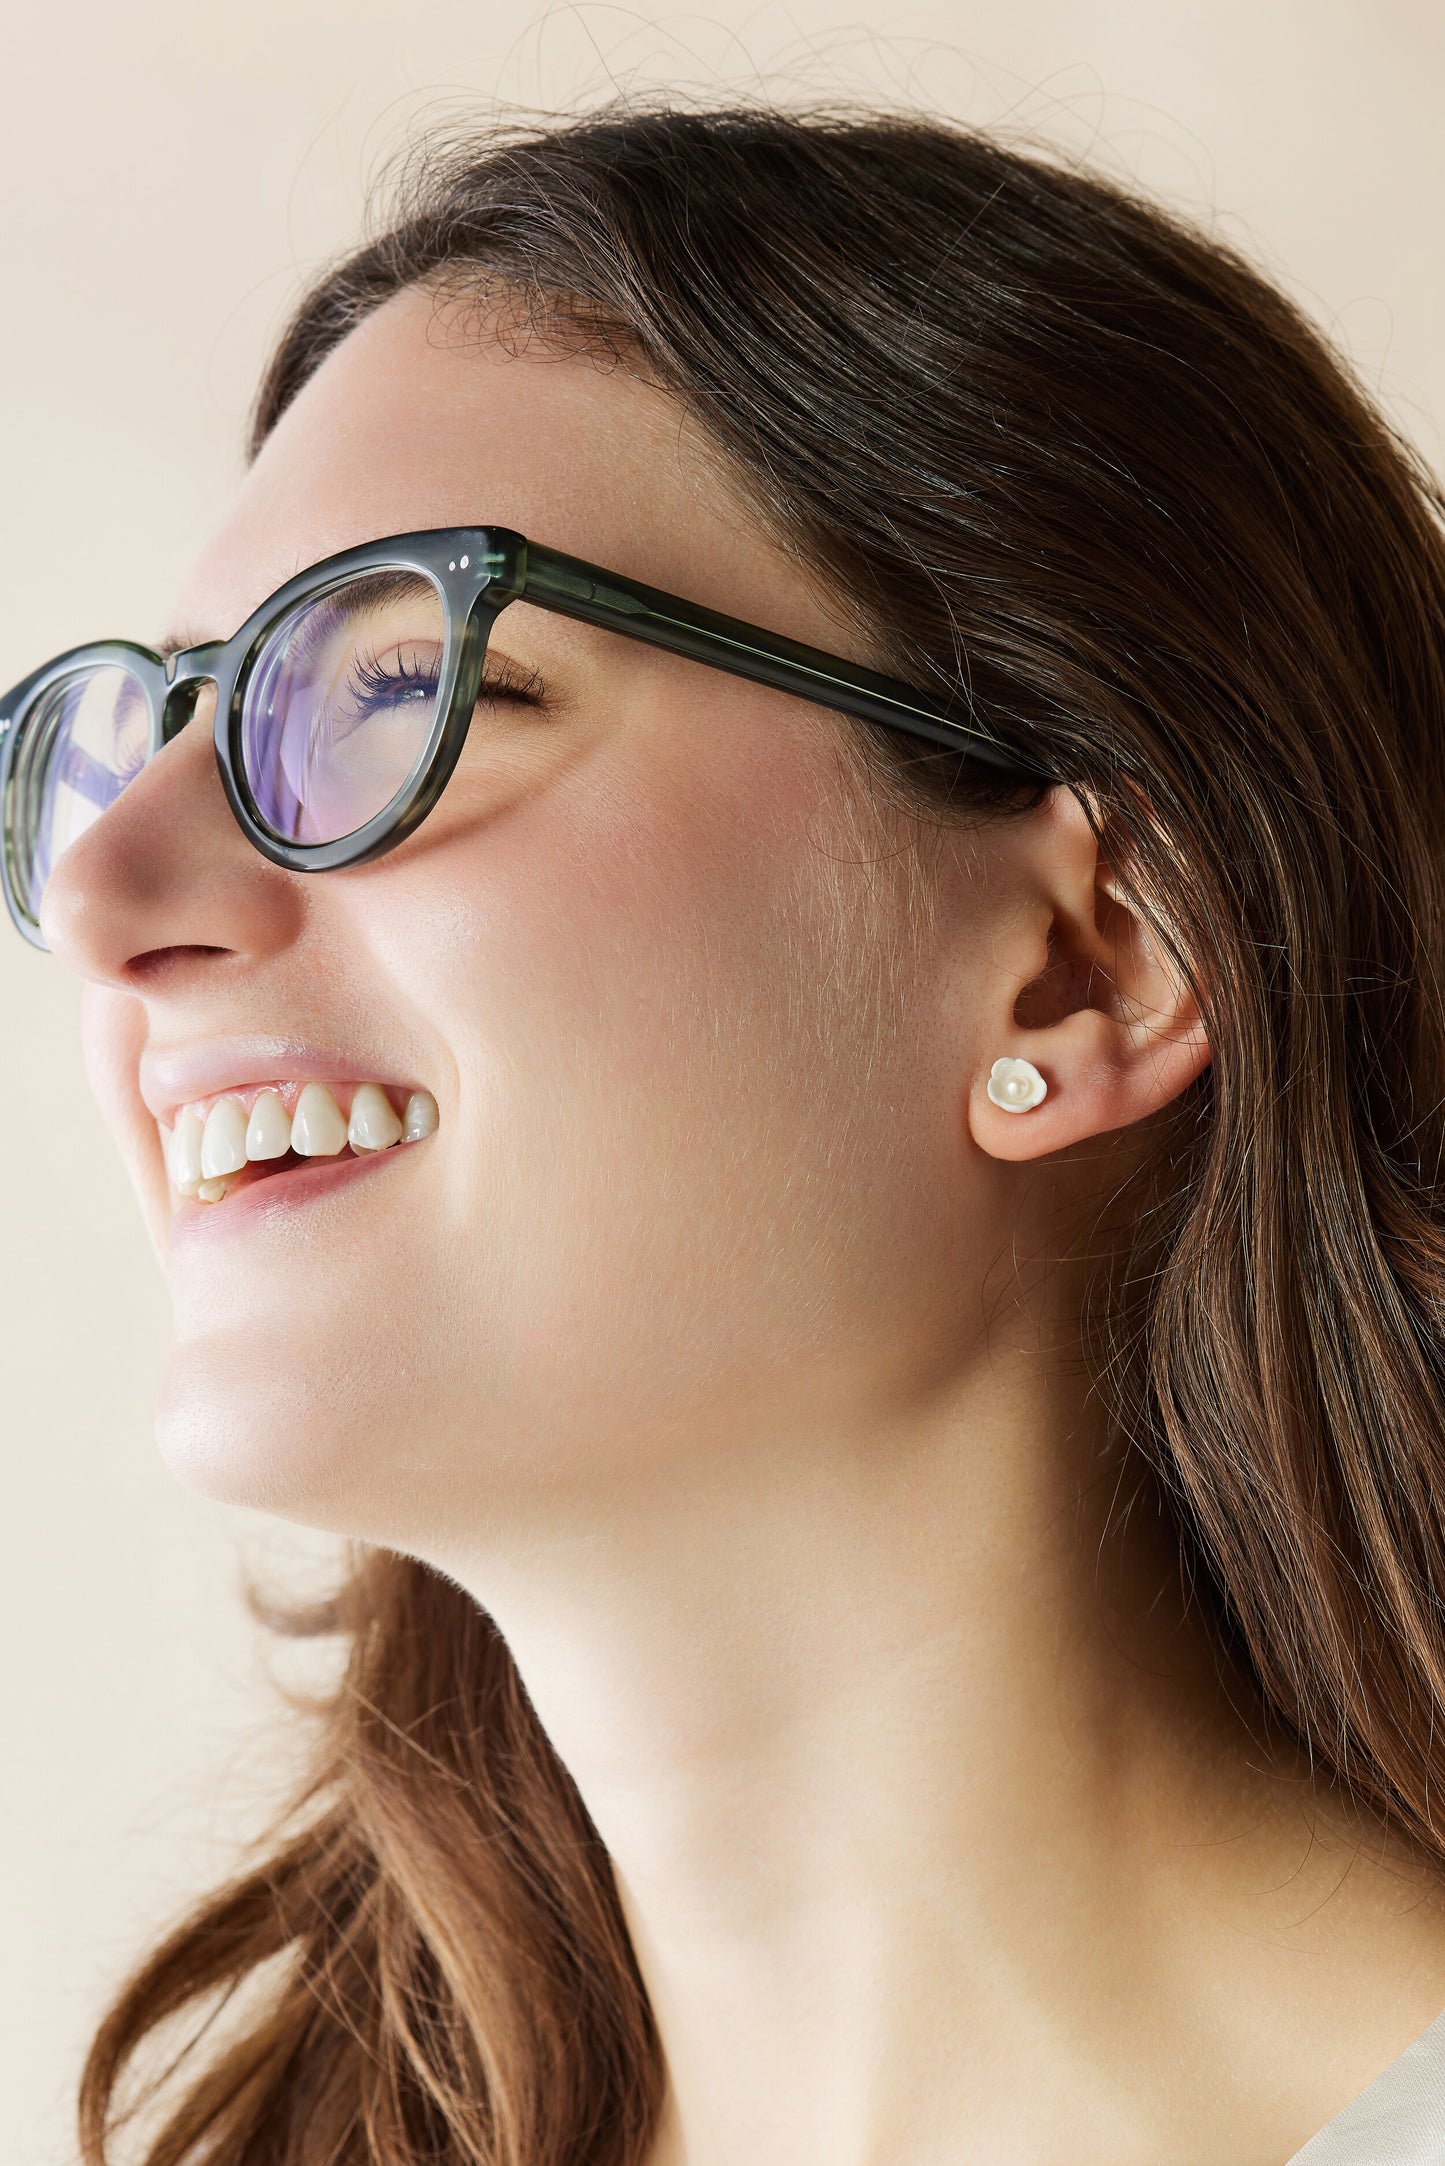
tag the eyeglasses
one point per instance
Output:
(343, 702)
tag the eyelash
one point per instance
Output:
(507, 683)
(372, 680)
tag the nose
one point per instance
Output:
(164, 882)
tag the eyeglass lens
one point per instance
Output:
(86, 737)
(339, 707)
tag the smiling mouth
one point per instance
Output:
(218, 1145)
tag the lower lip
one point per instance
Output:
(276, 1195)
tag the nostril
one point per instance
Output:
(154, 965)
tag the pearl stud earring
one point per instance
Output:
(1016, 1085)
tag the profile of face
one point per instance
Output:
(715, 1167)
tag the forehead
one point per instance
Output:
(423, 417)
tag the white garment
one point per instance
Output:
(1398, 2120)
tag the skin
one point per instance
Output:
(719, 1341)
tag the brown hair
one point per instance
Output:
(1054, 444)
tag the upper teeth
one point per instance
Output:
(210, 1141)
(223, 1139)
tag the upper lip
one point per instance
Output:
(174, 1076)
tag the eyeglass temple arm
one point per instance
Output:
(575, 589)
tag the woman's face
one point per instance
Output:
(701, 1051)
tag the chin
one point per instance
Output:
(342, 1434)
(244, 1436)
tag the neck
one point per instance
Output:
(928, 1806)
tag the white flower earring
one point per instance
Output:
(1016, 1085)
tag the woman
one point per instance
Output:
(851, 1220)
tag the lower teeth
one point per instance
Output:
(216, 1191)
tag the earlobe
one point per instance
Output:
(1097, 1075)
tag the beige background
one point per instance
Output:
(168, 173)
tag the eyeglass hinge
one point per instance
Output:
(505, 561)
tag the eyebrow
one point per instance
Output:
(177, 642)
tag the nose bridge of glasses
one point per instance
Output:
(187, 675)
(192, 664)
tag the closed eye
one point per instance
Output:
(504, 679)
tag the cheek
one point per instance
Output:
(619, 1224)
(674, 1068)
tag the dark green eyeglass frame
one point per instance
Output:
(478, 571)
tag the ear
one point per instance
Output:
(1086, 993)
